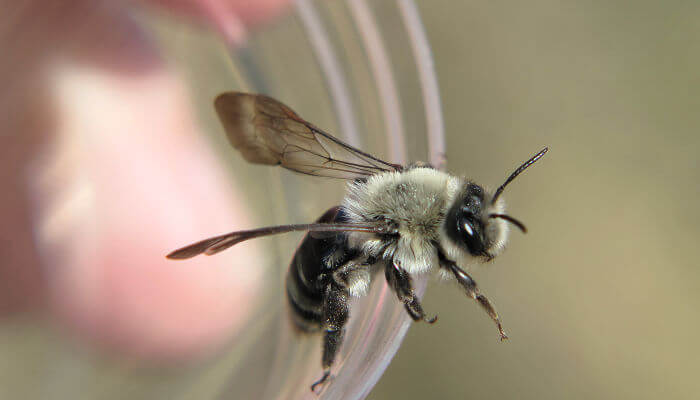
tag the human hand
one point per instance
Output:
(106, 171)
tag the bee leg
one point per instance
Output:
(321, 381)
(473, 291)
(335, 315)
(400, 281)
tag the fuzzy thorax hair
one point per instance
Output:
(417, 201)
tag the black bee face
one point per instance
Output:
(467, 223)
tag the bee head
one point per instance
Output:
(476, 224)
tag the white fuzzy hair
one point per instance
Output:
(417, 200)
(358, 282)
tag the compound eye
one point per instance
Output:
(471, 235)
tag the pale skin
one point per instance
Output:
(80, 186)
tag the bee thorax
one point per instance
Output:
(415, 201)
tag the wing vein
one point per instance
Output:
(266, 131)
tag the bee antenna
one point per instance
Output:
(511, 220)
(517, 172)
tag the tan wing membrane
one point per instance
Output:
(219, 243)
(266, 131)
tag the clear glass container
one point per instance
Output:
(362, 72)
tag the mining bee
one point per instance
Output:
(404, 220)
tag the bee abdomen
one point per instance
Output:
(306, 307)
(305, 279)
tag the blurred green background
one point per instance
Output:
(599, 298)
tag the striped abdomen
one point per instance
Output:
(305, 283)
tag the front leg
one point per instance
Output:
(400, 281)
(473, 291)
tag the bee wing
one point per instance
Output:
(220, 243)
(266, 131)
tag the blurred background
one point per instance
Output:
(114, 157)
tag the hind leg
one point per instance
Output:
(335, 316)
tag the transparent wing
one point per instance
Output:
(220, 243)
(266, 131)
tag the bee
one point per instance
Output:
(404, 220)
